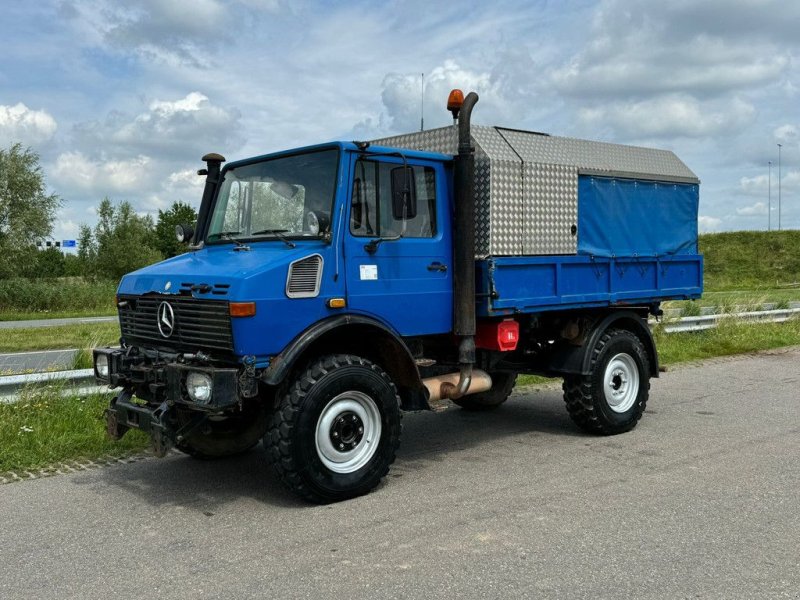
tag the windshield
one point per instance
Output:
(272, 198)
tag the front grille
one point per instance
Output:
(198, 324)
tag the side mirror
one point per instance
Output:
(404, 194)
(184, 233)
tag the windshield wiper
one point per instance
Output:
(277, 233)
(228, 237)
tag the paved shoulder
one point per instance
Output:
(700, 500)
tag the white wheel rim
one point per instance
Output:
(348, 432)
(621, 383)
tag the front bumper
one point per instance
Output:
(162, 378)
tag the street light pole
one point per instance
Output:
(779, 186)
(769, 196)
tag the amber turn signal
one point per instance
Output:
(337, 303)
(242, 309)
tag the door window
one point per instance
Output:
(371, 213)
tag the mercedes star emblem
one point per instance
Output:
(166, 319)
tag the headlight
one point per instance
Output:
(101, 366)
(198, 385)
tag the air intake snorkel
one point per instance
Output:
(212, 171)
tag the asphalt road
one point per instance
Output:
(39, 360)
(700, 501)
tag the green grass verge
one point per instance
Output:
(755, 260)
(45, 429)
(58, 314)
(730, 337)
(61, 336)
(43, 298)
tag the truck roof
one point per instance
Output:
(530, 147)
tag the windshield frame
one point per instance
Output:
(271, 237)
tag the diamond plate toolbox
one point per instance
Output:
(526, 183)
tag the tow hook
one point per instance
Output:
(160, 440)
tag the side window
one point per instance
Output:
(371, 202)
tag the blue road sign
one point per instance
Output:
(69, 244)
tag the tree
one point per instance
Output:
(123, 241)
(27, 212)
(49, 263)
(178, 214)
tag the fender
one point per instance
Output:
(388, 348)
(576, 360)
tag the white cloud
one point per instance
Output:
(756, 210)
(786, 134)
(182, 129)
(670, 116)
(21, 124)
(99, 177)
(706, 223)
(641, 48)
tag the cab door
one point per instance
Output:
(398, 248)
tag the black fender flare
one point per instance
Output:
(577, 360)
(398, 360)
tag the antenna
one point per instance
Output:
(422, 102)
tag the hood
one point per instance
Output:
(227, 272)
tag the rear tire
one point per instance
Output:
(335, 433)
(612, 398)
(502, 386)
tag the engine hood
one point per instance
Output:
(259, 272)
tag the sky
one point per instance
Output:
(121, 99)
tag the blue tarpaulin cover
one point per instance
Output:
(626, 217)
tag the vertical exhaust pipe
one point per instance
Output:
(212, 170)
(464, 237)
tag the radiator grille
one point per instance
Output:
(304, 277)
(197, 324)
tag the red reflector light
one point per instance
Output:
(498, 335)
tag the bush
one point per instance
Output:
(65, 294)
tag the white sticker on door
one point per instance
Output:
(369, 272)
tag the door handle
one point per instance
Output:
(437, 266)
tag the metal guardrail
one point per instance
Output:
(78, 381)
(703, 322)
(82, 382)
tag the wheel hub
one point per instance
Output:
(621, 383)
(347, 431)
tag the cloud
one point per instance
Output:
(640, 48)
(21, 124)
(670, 116)
(706, 223)
(183, 129)
(101, 178)
(786, 134)
(756, 210)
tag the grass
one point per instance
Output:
(730, 337)
(59, 337)
(43, 298)
(751, 260)
(45, 429)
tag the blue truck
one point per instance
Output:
(329, 288)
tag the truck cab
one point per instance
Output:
(327, 288)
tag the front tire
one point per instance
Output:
(612, 398)
(226, 435)
(335, 433)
